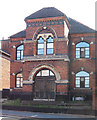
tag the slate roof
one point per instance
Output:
(45, 13)
(21, 34)
(77, 27)
(4, 52)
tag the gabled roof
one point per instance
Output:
(77, 27)
(46, 13)
(21, 34)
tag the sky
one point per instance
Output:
(13, 12)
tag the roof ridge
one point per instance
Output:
(45, 12)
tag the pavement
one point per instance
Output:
(23, 115)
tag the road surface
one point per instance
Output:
(23, 115)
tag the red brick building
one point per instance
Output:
(53, 58)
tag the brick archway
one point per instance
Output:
(39, 67)
(51, 30)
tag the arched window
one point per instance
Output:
(45, 45)
(40, 46)
(82, 80)
(19, 80)
(19, 52)
(82, 50)
(50, 45)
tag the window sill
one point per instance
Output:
(81, 58)
(18, 88)
(83, 88)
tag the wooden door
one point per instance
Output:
(44, 87)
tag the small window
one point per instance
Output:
(82, 50)
(19, 80)
(40, 46)
(19, 52)
(82, 80)
(50, 45)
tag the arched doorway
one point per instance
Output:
(44, 86)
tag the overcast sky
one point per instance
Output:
(13, 12)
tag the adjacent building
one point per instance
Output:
(4, 65)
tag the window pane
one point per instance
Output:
(40, 52)
(78, 49)
(86, 85)
(82, 44)
(19, 75)
(18, 52)
(86, 81)
(87, 56)
(21, 53)
(86, 78)
(21, 57)
(20, 47)
(87, 53)
(18, 55)
(40, 46)
(77, 54)
(38, 74)
(77, 85)
(18, 58)
(45, 72)
(50, 39)
(82, 73)
(49, 51)
(77, 78)
(21, 84)
(17, 85)
(77, 81)
(50, 45)
(51, 73)
(87, 49)
(21, 79)
(41, 40)
(18, 81)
